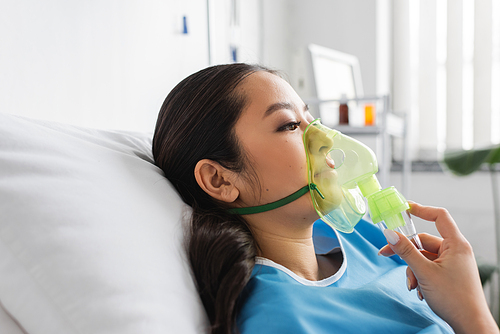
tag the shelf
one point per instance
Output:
(357, 130)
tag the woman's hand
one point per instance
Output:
(445, 274)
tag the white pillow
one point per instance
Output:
(90, 234)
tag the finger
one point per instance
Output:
(411, 280)
(419, 293)
(386, 251)
(429, 255)
(431, 243)
(445, 224)
(406, 250)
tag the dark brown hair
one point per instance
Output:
(196, 122)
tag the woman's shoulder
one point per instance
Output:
(264, 301)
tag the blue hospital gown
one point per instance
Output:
(367, 295)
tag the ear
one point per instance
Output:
(216, 181)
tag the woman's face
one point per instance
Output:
(270, 132)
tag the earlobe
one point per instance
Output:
(216, 181)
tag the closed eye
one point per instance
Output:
(289, 127)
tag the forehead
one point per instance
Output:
(261, 81)
(262, 89)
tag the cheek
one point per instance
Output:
(283, 164)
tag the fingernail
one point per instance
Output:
(420, 295)
(408, 284)
(382, 254)
(391, 236)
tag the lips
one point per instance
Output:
(329, 162)
(327, 170)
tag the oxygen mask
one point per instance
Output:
(341, 171)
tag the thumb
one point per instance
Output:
(406, 250)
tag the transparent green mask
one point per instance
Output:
(335, 163)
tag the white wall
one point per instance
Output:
(111, 63)
(106, 64)
(245, 33)
(276, 37)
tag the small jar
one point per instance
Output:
(343, 111)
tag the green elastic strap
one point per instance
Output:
(274, 205)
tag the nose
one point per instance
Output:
(319, 138)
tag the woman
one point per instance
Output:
(230, 136)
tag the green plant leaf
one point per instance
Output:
(465, 162)
(494, 156)
(486, 271)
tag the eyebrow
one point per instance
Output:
(282, 105)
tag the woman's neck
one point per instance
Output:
(296, 254)
(295, 251)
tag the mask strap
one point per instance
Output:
(274, 205)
